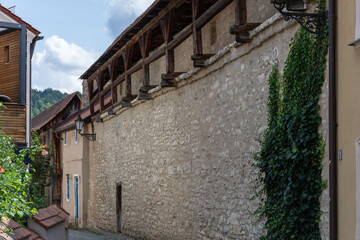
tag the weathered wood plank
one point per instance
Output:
(13, 122)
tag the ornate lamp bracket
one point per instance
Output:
(89, 136)
(311, 22)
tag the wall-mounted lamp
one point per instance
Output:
(311, 22)
(79, 124)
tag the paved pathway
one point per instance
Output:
(85, 235)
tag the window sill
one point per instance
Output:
(355, 43)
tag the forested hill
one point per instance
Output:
(41, 100)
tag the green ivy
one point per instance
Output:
(292, 150)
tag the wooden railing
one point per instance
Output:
(147, 41)
(13, 121)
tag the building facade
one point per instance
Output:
(17, 44)
(74, 161)
(348, 116)
(44, 124)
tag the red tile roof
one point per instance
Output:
(18, 19)
(34, 235)
(48, 114)
(50, 216)
(18, 233)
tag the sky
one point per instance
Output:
(76, 33)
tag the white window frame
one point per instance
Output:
(356, 43)
(357, 25)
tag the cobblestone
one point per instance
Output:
(85, 235)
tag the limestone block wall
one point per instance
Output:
(183, 159)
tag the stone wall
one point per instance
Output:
(183, 159)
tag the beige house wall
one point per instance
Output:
(348, 115)
(184, 158)
(73, 164)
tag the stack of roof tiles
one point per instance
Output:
(11, 230)
(50, 216)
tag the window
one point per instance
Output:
(67, 187)
(7, 54)
(357, 27)
(76, 136)
(356, 43)
(213, 33)
(65, 140)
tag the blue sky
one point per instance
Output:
(76, 33)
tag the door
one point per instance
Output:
(76, 182)
(118, 206)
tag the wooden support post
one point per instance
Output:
(197, 39)
(242, 28)
(99, 80)
(199, 58)
(112, 68)
(91, 93)
(167, 26)
(127, 56)
(240, 12)
(144, 42)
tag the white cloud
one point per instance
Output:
(60, 64)
(121, 13)
(131, 7)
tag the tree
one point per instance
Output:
(41, 100)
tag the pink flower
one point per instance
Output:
(44, 153)
(1, 169)
(43, 146)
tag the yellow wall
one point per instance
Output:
(348, 98)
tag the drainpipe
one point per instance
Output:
(32, 45)
(332, 121)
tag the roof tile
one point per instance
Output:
(18, 19)
(50, 216)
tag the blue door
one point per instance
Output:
(76, 196)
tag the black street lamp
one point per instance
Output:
(311, 22)
(79, 124)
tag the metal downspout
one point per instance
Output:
(332, 121)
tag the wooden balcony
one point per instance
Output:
(13, 121)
